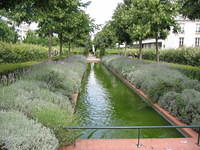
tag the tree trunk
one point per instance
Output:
(61, 44)
(157, 49)
(50, 44)
(140, 49)
(125, 49)
(69, 47)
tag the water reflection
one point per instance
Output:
(106, 101)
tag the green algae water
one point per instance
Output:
(106, 101)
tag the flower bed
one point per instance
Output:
(44, 94)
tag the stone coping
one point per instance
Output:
(164, 112)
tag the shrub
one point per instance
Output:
(14, 53)
(24, 93)
(51, 110)
(190, 71)
(43, 94)
(56, 119)
(165, 85)
(17, 132)
(59, 77)
(187, 56)
(185, 105)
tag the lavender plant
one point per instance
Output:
(43, 93)
(169, 87)
(17, 132)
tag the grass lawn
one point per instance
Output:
(11, 67)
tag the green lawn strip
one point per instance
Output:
(4, 68)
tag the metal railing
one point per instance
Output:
(139, 128)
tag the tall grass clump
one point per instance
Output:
(164, 85)
(17, 132)
(44, 94)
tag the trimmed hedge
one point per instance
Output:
(186, 56)
(190, 71)
(164, 85)
(15, 53)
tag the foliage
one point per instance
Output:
(163, 13)
(68, 21)
(105, 38)
(7, 33)
(119, 24)
(33, 38)
(14, 53)
(139, 21)
(190, 8)
(157, 80)
(185, 105)
(44, 94)
(136, 20)
(186, 56)
(6, 68)
(65, 18)
(17, 132)
(114, 51)
(190, 71)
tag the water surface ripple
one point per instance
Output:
(106, 101)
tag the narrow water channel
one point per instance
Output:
(106, 101)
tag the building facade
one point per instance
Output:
(188, 36)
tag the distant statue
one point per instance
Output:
(93, 49)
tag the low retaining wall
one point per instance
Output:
(156, 107)
(74, 99)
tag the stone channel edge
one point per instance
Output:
(172, 119)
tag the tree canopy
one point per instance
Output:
(7, 33)
(190, 8)
(64, 18)
(137, 20)
(106, 38)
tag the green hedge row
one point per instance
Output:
(186, 56)
(15, 53)
(190, 71)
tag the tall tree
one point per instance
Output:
(163, 13)
(77, 28)
(120, 25)
(7, 33)
(106, 37)
(190, 8)
(138, 19)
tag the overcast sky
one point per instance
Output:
(101, 10)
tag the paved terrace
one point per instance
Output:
(131, 144)
(93, 59)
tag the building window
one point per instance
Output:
(182, 28)
(181, 41)
(198, 27)
(197, 41)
